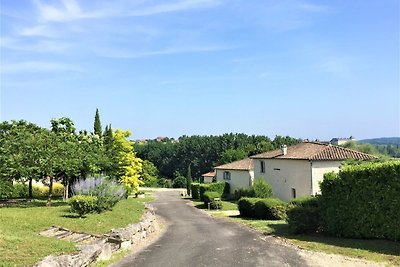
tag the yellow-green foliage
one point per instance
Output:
(43, 191)
(129, 165)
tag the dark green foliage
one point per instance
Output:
(362, 201)
(195, 188)
(231, 155)
(270, 209)
(83, 204)
(97, 124)
(179, 182)
(20, 191)
(165, 183)
(6, 189)
(246, 206)
(304, 215)
(262, 189)
(214, 198)
(239, 193)
(188, 179)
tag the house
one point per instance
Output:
(298, 170)
(239, 174)
(341, 141)
(208, 177)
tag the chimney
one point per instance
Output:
(284, 149)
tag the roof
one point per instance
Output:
(244, 164)
(209, 174)
(315, 151)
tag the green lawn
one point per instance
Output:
(373, 250)
(20, 244)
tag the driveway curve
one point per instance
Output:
(194, 238)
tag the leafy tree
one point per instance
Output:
(129, 166)
(97, 124)
(149, 174)
(262, 189)
(189, 180)
(179, 182)
(231, 155)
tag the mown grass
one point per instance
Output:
(20, 244)
(373, 250)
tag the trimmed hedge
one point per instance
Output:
(83, 204)
(270, 209)
(195, 188)
(244, 193)
(246, 206)
(221, 187)
(209, 197)
(304, 215)
(362, 201)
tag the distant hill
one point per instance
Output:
(381, 141)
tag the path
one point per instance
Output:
(194, 238)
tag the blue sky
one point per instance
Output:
(308, 69)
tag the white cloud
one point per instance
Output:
(39, 30)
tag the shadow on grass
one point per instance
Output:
(72, 216)
(386, 247)
(34, 203)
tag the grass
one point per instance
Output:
(20, 244)
(373, 250)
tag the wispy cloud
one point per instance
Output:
(38, 30)
(37, 66)
(168, 51)
(41, 46)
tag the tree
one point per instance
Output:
(149, 174)
(97, 124)
(189, 180)
(128, 165)
(231, 155)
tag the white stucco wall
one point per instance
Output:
(284, 174)
(208, 179)
(319, 168)
(239, 178)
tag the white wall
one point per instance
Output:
(284, 174)
(208, 179)
(239, 178)
(319, 168)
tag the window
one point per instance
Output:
(293, 193)
(227, 175)
(262, 166)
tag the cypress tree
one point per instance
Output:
(97, 123)
(188, 180)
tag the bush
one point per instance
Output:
(20, 191)
(241, 192)
(165, 183)
(362, 201)
(108, 192)
(305, 201)
(42, 191)
(246, 206)
(220, 187)
(179, 182)
(83, 204)
(6, 189)
(270, 209)
(303, 219)
(262, 189)
(209, 197)
(195, 188)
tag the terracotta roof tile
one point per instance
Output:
(209, 174)
(244, 164)
(315, 151)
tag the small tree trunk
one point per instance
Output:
(66, 187)
(30, 194)
(50, 192)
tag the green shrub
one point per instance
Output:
(42, 191)
(262, 189)
(241, 192)
(246, 206)
(195, 188)
(209, 197)
(270, 209)
(179, 182)
(303, 219)
(83, 204)
(220, 187)
(362, 201)
(304, 215)
(6, 189)
(20, 191)
(165, 183)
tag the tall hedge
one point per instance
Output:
(304, 215)
(195, 187)
(219, 187)
(362, 201)
(270, 209)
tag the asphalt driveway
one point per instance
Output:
(194, 238)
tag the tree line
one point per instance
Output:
(172, 158)
(29, 152)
